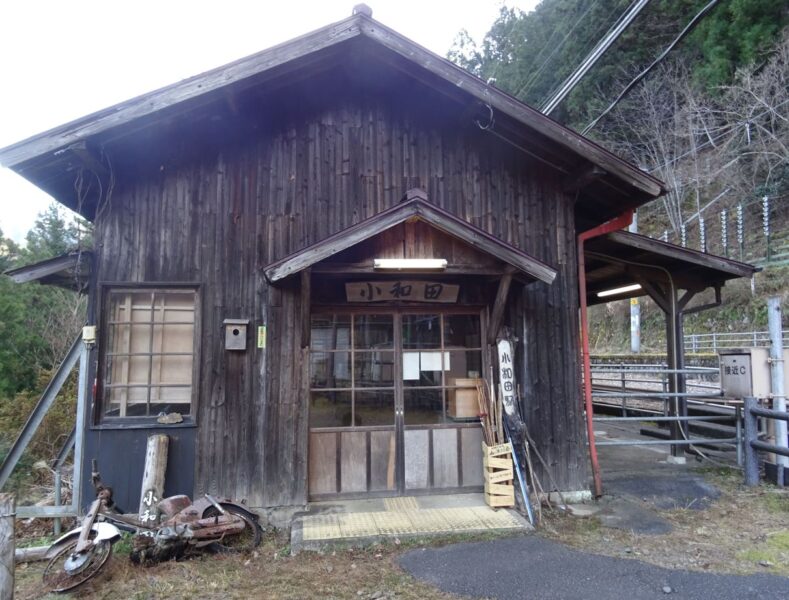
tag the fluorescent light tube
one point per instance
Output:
(410, 264)
(619, 290)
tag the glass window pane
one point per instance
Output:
(331, 332)
(423, 407)
(172, 369)
(173, 307)
(373, 369)
(373, 331)
(421, 331)
(330, 369)
(330, 409)
(173, 338)
(373, 408)
(463, 401)
(166, 400)
(464, 365)
(423, 368)
(462, 331)
(150, 342)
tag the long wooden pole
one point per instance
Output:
(7, 518)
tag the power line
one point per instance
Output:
(593, 37)
(533, 78)
(688, 28)
(605, 43)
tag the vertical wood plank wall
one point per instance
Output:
(218, 218)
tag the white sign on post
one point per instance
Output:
(507, 377)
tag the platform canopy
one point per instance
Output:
(619, 261)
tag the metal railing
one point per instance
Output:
(653, 401)
(712, 342)
(77, 357)
(753, 444)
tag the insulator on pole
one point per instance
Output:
(702, 235)
(725, 232)
(683, 235)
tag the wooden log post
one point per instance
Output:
(152, 488)
(7, 518)
(30, 554)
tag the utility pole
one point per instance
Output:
(635, 308)
(569, 84)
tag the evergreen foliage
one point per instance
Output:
(530, 54)
(37, 323)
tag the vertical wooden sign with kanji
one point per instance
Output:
(507, 378)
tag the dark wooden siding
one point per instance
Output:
(120, 455)
(216, 214)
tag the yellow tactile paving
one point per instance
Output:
(426, 521)
(404, 522)
(360, 524)
(320, 527)
(402, 503)
(392, 523)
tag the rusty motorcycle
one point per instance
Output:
(176, 527)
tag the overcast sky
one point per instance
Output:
(60, 60)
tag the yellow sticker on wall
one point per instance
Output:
(261, 336)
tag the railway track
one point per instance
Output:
(725, 428)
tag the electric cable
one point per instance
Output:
(688, 28)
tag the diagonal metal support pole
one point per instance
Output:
(40, 411)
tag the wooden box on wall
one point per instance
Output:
(463, 402)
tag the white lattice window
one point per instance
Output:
(149, 356)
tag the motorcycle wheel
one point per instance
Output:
(243, 541)
(57, 579)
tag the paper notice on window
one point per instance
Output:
(431, 361)
(410, 365)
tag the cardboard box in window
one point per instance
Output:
(463, 402)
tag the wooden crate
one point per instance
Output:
(499, 475)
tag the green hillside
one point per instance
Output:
(711, 121)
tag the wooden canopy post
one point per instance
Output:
(306, 299)
(497, 314)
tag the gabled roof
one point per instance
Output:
(416, 207)
(616, 184)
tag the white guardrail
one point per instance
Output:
(712, 342)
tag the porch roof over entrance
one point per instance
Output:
(619, 259)
(416, 206)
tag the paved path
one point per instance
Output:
(532, 568)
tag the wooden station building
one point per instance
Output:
(254, 270)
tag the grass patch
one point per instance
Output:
(30, 542)
(776, 502)
(771, 554)
(270, 572)
(739, 531)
